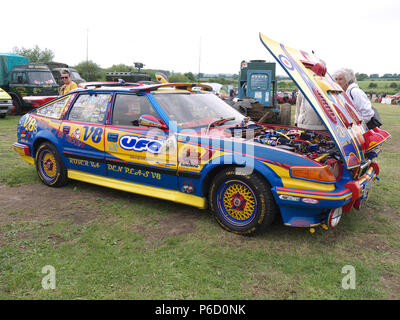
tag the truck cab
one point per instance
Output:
(30, 80)
(257, 81)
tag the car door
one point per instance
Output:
(83, 133)
(137, 153)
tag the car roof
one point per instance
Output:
(176, 87)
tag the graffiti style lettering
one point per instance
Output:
(134, 172)
(73, 140)
(93, 132)
(115, 168)
(79, 162)
(137, 144)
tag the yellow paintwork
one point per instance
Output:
(168, 90)
(4, 95)
(327, 85)
(230, 193)
(145, 190)
(51, 172)
(28, 159)
(21, 152)
(289, 182)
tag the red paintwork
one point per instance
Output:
(285, 97)
(37, 101)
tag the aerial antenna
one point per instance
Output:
(87, 53)
(198, 75)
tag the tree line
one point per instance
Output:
(91, 71)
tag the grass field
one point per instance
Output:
(107, 244)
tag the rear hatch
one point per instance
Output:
(332, 105)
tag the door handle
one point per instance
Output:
(112, 137)
(66, 129)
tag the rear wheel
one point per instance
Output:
(49, 166)
(242, 204)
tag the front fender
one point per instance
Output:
(249, 166)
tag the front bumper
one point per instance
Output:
(308, 208)
(5, 106)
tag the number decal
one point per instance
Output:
(30, 124)
(96, 137)
(94, 133)
(86, 135)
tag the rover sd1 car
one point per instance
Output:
(179, 143)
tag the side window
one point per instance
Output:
(90, 108)
(18, 77)
(128, 108)
(54, 109)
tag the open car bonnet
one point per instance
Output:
(329, 101)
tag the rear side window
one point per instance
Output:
(128, 108)
(53, 110)
(90, 108)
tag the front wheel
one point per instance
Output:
(49, 166)
(242, 204)
(17, 106)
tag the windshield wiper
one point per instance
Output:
(219, 122)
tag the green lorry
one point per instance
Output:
(19, 78)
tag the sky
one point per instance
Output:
(208, 36)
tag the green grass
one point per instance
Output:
(106, 244)
(382, 86)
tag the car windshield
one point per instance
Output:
(40, 77)
(196, 110)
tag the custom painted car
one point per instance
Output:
(175, 142)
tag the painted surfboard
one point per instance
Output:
(327, 98)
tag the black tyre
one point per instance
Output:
(242, 204)
(2, 115)
(17, 106)
(49, 166)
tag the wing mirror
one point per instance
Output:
(148, 120)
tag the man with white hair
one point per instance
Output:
(347, 80)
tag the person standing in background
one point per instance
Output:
(305, 116)
(68, 83)
(347, 80)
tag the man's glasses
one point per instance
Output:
(64, 77)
